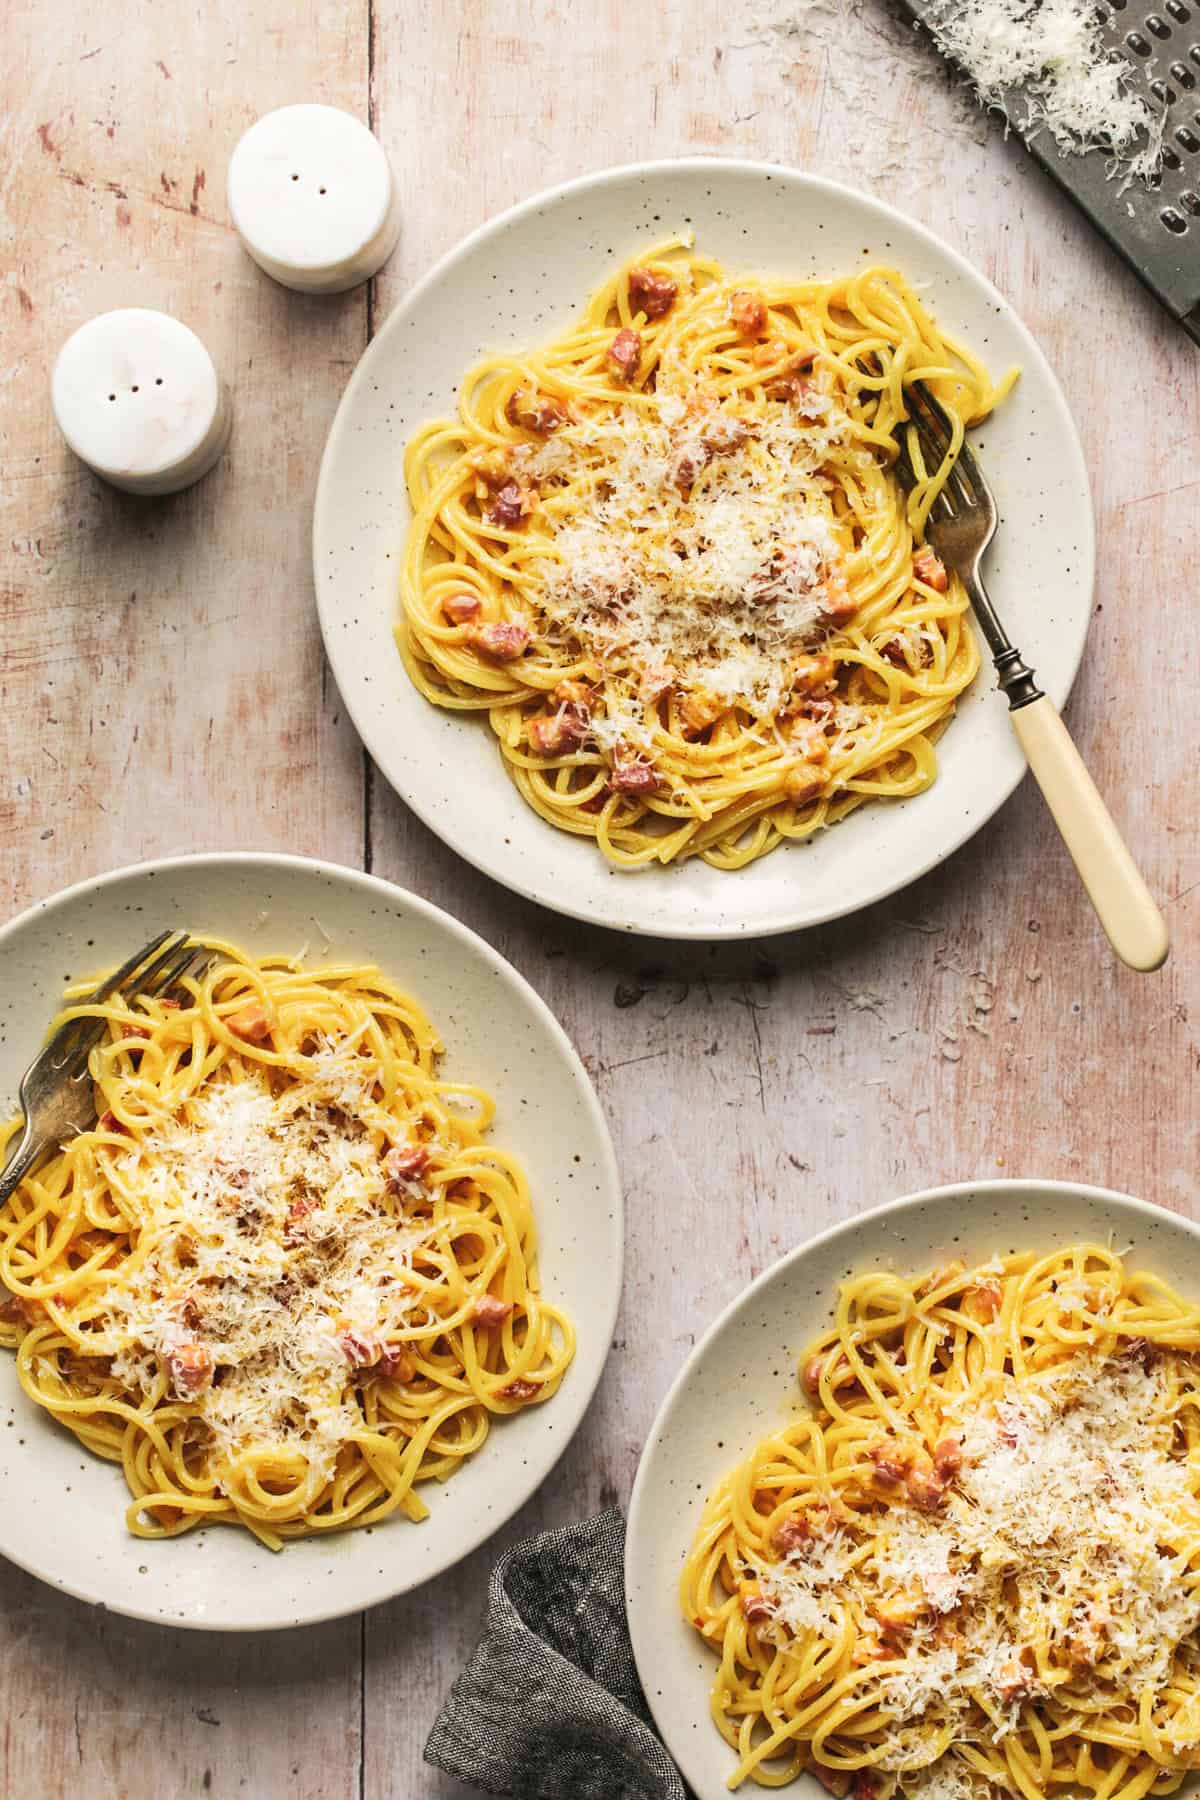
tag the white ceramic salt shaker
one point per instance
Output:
(312, 198)
(138, 399)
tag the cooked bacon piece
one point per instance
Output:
(925, 1488)
(171, 1005)
(897, 1615)
(1085, 1646)
(1015, 1682)
(792, 1533)
(556, 733)
(653, 683)
(833, 1365)
(487, 1310)
(834, 1781)
(574, 693)
(724, 433)
(250, 1023)
(863, 1785)
(747, 312)
(650, 293)
(395, 1363)
(14, 1310)
(947, 1458)
(625, 352)
(698, 711)
(772, 351)
(929, 568)
(869, 1649)
(406, 1162)
(802, 784)
(501, 643)
(189, 1312)
(134, 1031)
(633, 778)
(838, 605)
(460, 608)
(493, 468)
(295, 1231)
(190, 1367)
(891, 1463)
(512, 505)
(983, 1299)
(361, 1350)
(755, 1605)
(686, 465)
(520, 1389)
(536, 411)
(811, 673)
(108, 1121)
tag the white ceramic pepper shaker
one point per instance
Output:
(313, 199)
(138, 399)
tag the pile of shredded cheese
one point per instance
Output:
(723, 581)
(220, 1255)
(1073, 84)
(1070, 1523)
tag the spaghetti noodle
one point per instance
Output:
(284, 1279)
(668, 557)
(974, 1566)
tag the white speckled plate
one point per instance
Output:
(524, 277)
(62, 1511)
(739, 1384)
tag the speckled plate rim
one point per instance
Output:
(563, 872)
(675, 1474)
(298, 1577)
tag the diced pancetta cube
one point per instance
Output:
(460, 609)
(929, 568)
(535, 411)
(488, 1310)
(250, 1023)
(190, 1368)
(406, 1162)
(625, 352)
(747, 311)
(499, 643)
(520, 1389)
(651, 294)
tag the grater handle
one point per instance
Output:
(1124, 904)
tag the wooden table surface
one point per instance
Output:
(164, 690)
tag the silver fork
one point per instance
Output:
(961, 525)
(56, 1095)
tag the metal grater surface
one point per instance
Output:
(1156, 229)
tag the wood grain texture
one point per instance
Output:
(972, 1026)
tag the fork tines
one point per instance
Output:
(149, 973)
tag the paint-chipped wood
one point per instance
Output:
(972, 1026)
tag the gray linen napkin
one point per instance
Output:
(549, 1706)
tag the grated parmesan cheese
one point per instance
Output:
(1073, 85)
(725, 581)
(1070, 1522)
(215, 1259)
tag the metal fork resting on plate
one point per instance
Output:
(961, 525)
(56, 1094)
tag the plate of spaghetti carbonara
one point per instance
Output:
(311, 1277)
(955, 1556)
(654, 601)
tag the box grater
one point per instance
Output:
(1156, 229)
